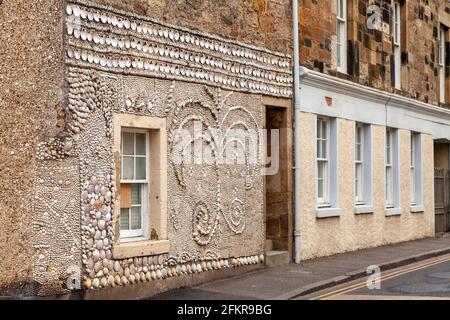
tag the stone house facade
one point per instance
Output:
(93, 197)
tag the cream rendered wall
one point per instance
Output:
(349, 231)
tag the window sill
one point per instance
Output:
(393, 211)
(417, 209)
(328, 212)
(363, 209)
(140, 248)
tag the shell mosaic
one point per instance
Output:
(116, 41)
(121, 63)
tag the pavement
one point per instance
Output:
(293, 281)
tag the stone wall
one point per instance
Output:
(30, 98)
(119, 62)
(373, 48)
(265, 23)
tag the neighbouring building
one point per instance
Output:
(148, 145)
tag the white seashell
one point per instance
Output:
(76, 11)
(139, 28)
(69, 10)
(95, 283)
(70, 53)
(133, 26)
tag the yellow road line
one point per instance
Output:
(382, 278)
(390, 274)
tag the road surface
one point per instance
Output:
(425, 280)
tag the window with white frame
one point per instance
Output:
(341, 32)
(323, 161)
(441, 53)
(134, 183)
(397, 45)
(359, 164)
(413, 169)
(389, 174)
(416, 169)
(392, 175)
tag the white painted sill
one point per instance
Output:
(328, 212)
(364, 209)
(393, 212)
(417, 209)
(140, 248)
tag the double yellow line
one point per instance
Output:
(395, 274)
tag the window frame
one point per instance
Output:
(341, 36)
(441, 63)
(141, 233)
(416, 192)
(412, 167)
(397, 38)
(323, 201)
(359, 164)
(157, 242)
(389, 174)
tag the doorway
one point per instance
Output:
(278, 183)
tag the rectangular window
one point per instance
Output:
(359, 164)
(341, 32)
(327, 168)
(134, 183)
(389, 180)
(392, 174)
(441, 53)
(397, 45)
(416, 172)
(323, 166)
(413, 169)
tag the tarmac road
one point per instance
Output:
(426, 280)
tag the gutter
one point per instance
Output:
(297, 114)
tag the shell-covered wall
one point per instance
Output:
(121, 63)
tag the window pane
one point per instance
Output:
(324, 149)
(124, 219)
(319, 149)
(127, 168)
(141, 168)
(319, 128)
(136, 218)
(136, 194)
(140, 144)
(320, 188)
(358, 152)
(320, 172)
(128, 143)
(324, 130)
